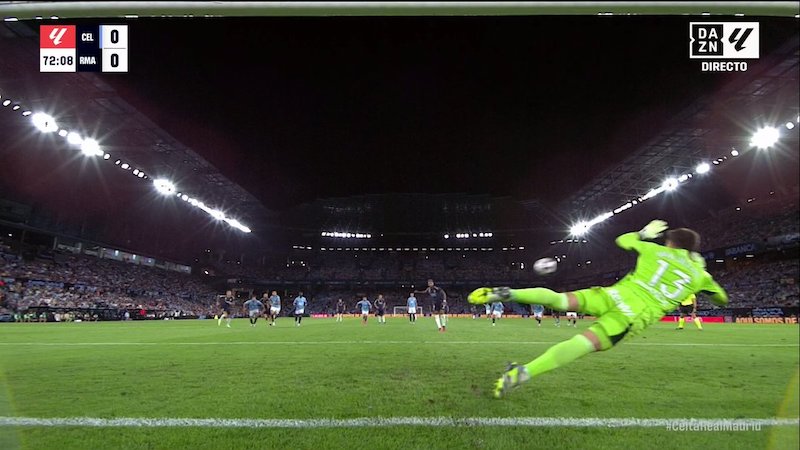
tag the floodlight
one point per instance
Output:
(90, 147)
(579, 229)
(164, 186)
(217, 214)
(670, 184)
(765, 137)
(74, 138)
(44, 122)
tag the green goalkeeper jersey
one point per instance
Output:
(665, 276)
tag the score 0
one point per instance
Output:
(114, 46)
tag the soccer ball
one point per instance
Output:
(545, 266)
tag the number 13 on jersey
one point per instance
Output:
(677, 279)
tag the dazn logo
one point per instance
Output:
(723, 40)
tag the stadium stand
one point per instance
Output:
(764, 274)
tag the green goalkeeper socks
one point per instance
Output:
(541, 296)
(560, 354)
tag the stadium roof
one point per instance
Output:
(709, 127)
(702, 129)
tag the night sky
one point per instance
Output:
(295, 109)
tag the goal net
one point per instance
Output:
(403, 311)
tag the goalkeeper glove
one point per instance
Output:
(489, 295)
(653, 229)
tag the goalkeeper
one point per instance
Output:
(664, 275)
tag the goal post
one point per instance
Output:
(403, 311)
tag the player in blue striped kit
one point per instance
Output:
(299, 308)
(274, 307)
(365, 306)
(538, 312)
(411, 303)
(254, 308)
(497, 311)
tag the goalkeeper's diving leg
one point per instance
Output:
(609, 329)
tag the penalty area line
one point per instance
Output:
(686, 424)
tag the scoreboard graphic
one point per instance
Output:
(93, 48)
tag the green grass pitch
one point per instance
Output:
(329, 370)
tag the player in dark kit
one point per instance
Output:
(340, 310)
(438, 298)
(226, 306)
(380, 306)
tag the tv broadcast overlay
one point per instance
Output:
(391, 225)
(724, 40)
(91, 48)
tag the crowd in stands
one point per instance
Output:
(311, 266)
(761, 220)
(750, 284)
(752, 223)
(79, 282)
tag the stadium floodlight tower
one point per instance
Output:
(765, 138)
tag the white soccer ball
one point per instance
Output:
(545, 266)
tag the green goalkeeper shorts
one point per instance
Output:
(618, 311)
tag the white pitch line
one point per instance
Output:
(686, 424)
(644, 344)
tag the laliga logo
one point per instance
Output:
(739, 41)
(57, 34)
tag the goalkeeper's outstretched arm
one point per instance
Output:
(634, 240)
(718, 295)
(629, 241)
